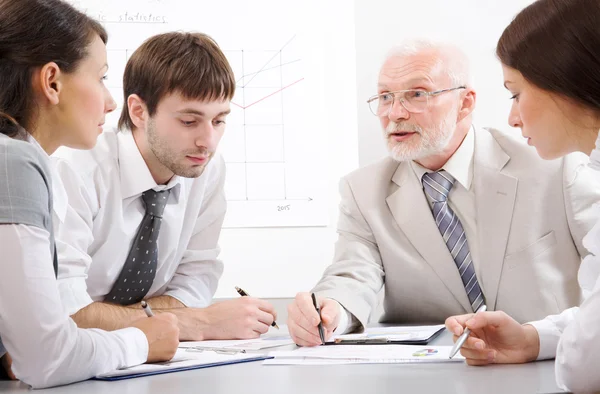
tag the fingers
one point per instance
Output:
(479, 357)
(302, 330)
(492, 319)
(303, 337)
(307, 309)
(330, 314)
(267, 307)
(456, 324)
(472, 342)
(263, 317)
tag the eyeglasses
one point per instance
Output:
(414, 100)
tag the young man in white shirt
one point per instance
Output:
(147, 204)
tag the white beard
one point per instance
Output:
(428, 143)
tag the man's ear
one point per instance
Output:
(467, 104)
(48, 81)
(138, 111)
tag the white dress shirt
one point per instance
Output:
(574, 335)
(104, 188)
(462, 201)
(46, 346)
(462, 195)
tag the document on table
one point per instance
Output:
(409, 335)
(267, 341)
(182, 361)
(358, 354)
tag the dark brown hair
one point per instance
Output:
(555, 45)
(191, 64)
(34, 33)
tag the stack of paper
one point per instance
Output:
(267, 341)
(359, 354)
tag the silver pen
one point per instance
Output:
(147, 309)
(461, 340)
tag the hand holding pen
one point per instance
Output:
(161, 331)
(312, 320)
(494, 338)
(242, 293)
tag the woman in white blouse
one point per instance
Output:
(550, 55)
(52, 93)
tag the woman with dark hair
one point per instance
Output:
(52, 94)
(550, 55)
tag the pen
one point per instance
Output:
(147, 309)
(314, 300)
(461, 340)
(244, 294)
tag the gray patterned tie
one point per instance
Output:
(139, 270)
(437, 186)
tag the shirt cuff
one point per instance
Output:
(549, 335)
(73, 294)
(135, 346)
(345, 324)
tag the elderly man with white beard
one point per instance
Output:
(456, 218)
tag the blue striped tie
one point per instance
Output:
(437, 186)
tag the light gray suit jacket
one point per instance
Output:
(531, 216)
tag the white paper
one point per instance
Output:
(273, 338)
(181, 359)
(398, 333)
(361, 354)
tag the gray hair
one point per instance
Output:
(452, 60)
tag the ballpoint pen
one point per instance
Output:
(320, 326)
(147, 309)
(461, 340)
(244, 294)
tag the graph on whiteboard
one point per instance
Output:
(270, 145)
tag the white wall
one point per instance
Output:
(474, 25)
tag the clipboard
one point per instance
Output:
(368, 338)
(169, 367)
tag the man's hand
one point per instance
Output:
(495, 338)
(303, 319)
(162, 333)
(240, 318)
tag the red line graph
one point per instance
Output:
(267, 96)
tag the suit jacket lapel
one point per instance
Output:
(495, 195)
(411, 211)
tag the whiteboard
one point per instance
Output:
(292, 132)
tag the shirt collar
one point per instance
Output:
(60, 199)
(460, 164)
(135, 175)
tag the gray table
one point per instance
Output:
(360, 379)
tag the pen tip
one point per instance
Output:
(237, 288)
(143, 304)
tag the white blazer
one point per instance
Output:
(574, 335)
(531, 218)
